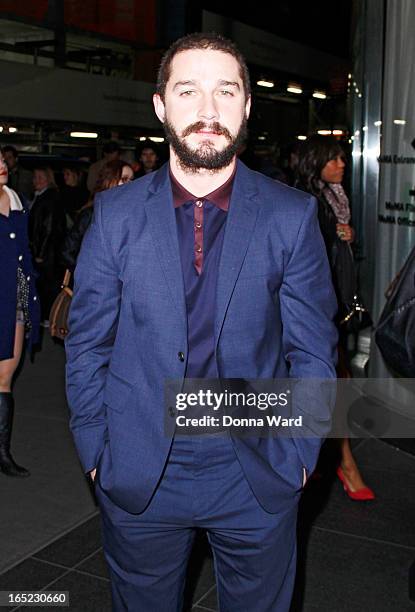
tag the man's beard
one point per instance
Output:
(205, 156)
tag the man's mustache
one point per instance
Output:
(213, 127)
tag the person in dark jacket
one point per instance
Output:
(74, 194)
(47, 227)
(19, 308)
(113, 173)
(147, 155)
(320, 172)
(20, 179)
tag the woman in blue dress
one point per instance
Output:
(19, 308)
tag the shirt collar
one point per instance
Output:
(220, 197)
(15, 203)
(40, 191)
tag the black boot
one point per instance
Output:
(7, 465)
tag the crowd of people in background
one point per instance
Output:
(60, 206)
(112, 174)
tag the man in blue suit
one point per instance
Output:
(203, 269)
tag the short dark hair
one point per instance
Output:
(10, 149)
(111, 147)
(146, 144)
(314, 154)
(201, 40)
(73, 168)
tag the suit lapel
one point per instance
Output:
(240, 225)
(243, 211)
(162, 223)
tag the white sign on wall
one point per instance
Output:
(34, 92)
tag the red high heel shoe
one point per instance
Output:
(363, 494)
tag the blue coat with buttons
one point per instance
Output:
(14, 251)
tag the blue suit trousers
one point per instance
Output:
(202, 487)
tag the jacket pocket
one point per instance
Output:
(117, 391)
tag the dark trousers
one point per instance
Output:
(203, 486)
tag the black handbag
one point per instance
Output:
(344, 269)
(395, 331)
(353, 316)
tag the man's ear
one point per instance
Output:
(159, 107)
(248, 107)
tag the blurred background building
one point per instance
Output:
(89, 67)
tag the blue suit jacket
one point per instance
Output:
(274, 306)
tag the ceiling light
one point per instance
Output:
(263, 83)
(156, 138)
(301, 137)
(261, 137)
(396, 122)
(12, 129)
(84, 135)
(292, 88)
(319, 94)
(337, 132)
(378, 123)
(364, 128)
(324, 132)
(1, 128)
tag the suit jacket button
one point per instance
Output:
(180, 355)
(172, 411)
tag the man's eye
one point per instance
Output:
(188, 92)
(226, 92)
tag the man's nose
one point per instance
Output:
(208, 109)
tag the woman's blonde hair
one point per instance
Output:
(48, 172)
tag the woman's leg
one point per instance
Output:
(8, 366)
(7, 369)
(349, 466)
(348, 463)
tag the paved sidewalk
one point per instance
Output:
(56, 498)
